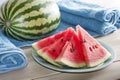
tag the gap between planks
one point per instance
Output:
(52, 74)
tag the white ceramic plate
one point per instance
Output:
(76, 70)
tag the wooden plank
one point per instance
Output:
(112, 72)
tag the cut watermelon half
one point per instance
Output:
(94, 53)
(72, 54)
(50, 48)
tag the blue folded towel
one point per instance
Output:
(100, 28)
(88, 10)
(11, 57)
(94, 18)
(117, 24)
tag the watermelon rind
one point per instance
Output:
(44, 55)
(70, 64)
(100, 61)
(35, 47)
(47, 58)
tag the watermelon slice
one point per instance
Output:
(94, 53)
(48, 41)
(51, 52)
(50, 48)
(72, 54)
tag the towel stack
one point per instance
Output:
(118, 23)
(11, 57)
(97, 20)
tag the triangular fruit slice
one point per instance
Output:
(48, 41)
(51, 52)
(54, 45)
(94, 52)
(72, 54)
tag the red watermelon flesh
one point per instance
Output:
(54, 50)
(72, 54)
(50, 40)
(94, 53)
(51, 52)
(42, 43)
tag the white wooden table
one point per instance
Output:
(34, 71)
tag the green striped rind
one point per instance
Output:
(1, 18)
(29, 19)
(42, 26)
(2, 13)
(10, 6)
(33, 31)
(36, 7)
(20, 6)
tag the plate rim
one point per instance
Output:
(37, 58)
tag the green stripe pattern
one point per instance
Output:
(29, 19)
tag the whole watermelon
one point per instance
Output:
(29, 19)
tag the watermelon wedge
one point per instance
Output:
(94, 53)
(50, 48)
(48, 41)
(72, 53)
(51, 52)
